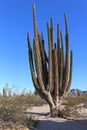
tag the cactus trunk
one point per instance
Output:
(51, 72)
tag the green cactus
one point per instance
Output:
(52, 73)
(5, 92)
(9, 92)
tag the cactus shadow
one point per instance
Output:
(62, 125)
(38, 114)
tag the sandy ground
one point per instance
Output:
(45, 123)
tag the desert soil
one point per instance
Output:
(40, 113)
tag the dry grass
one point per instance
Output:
(13, 108)
(72, 103)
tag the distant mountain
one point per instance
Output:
(84, 92)
(76, 91)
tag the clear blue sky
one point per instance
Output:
(16, 20)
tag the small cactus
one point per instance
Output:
(5, 92)
(9, 92)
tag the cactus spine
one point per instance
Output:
(51, 74)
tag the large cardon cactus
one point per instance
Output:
(51, 72)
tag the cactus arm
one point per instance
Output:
(31, 64)
(34, 20)
(71, 68)
(34, 79)
(39, 66)
(61, 69)
(58, 38)
(37, 50)
(50, 78)
(43, 60)
(35, 59)
(58, 51)
(46, 57)
(66, 69)
(62, 46)
(56, 78)
(52, 33)
(62, 62)
(67, 53)
(66, 23)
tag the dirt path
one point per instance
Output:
(44, 123)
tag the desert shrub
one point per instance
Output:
(12, 109)
(76, 100)
(32, 100)
(13, 105)
(72, 103)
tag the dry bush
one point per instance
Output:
(72, 103)
(76, 100)
(32, 100)
(13, 108)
